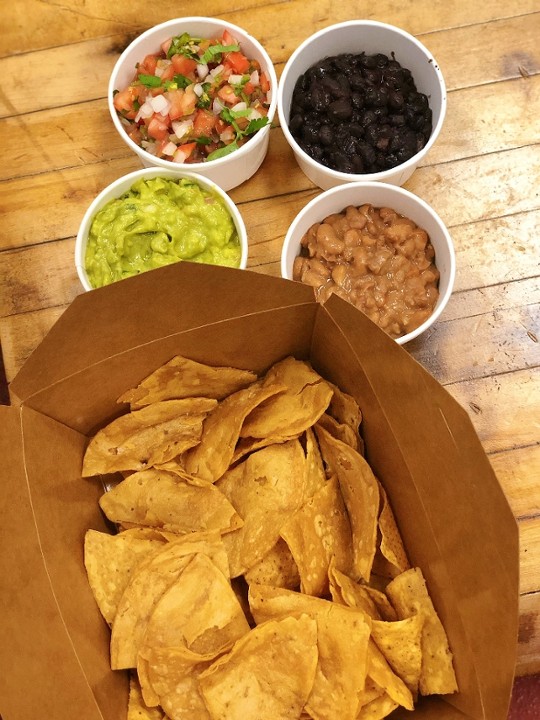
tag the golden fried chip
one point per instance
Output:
(276, 568)
(288, 414)
(380, 671)
(143, 438)
(391, 545)
(378, 708)
(111, 559)
(199, 610)
(137, 708)
(183, 378)
(265, 490)
(370, 600)
(346, 411)
(212, 457)
(342, 641)
(268, 674)
(401, 644)
(360, 491)
(160, 499)
(316, 533)
(148, 583)
(340, 431)
(315, 477)
(171, 676)
(370, 692)
(409, 595)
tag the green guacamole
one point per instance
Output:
(158, 222)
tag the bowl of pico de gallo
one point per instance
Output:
(199, 92)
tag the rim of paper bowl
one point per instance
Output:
(123, 184)
(330, 178)
(217, 167)
(403, 201)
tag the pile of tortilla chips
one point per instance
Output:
(258, 570)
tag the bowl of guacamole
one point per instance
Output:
(154, 217)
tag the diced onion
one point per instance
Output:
(202, 70)
(160, 104)
(239, 106)
(145, 111)
(254, 115)
(198, 89)
(180, 156)
(217, 106)
(254, 78)
(169, 149)
(181, 127)
(150, 147)
(235, 79)
(215, 71)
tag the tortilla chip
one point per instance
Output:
(360, 491)
(401, 644)
(268, 674)
(137, 709)
(161, 499)
(371, 691)
(148, 583)
(380, 671)
(110, 561)
(143, 438)
(222, 430)
(409, 595)
(391, 545)
(265, 490)
(276, 568)
(370, 600)
(316, 533)
(378, 708)
(287, 415)
(340, 431)
(183, 378)
(172, 677)
(199, 610)
(315, 477)
(342, 641)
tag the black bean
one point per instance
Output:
(296, 123)
(326, 135)
(340, 110)
(320, 98)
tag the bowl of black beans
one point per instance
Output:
(361, 101)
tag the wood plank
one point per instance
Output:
(36, 25)
(518, 471)
(528, 656)
(65, 77)
(529, 540)
(502, 408)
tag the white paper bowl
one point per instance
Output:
(123, 184)
(355, 36)
(379, 194)
(234, 169)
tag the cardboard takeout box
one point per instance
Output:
(454, 518)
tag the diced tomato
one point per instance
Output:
(238, 62)
(183, 65)
(168, 73)
(184, 151)
(265, 82)
(158, 128)
(135, 134)
(226, 93)
(176, 98)
(249, 88)
(123, 101)
(228, 39)
(148, 65)
(220, 125)
(166, 45)
(204, 123)
(189, 101)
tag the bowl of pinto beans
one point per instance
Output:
(199, 92)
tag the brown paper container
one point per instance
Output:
(454, 518)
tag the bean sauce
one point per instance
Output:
(376, 259)
(359, 113)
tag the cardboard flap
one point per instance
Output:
(450, 510)
(52, 634)
(148, 307)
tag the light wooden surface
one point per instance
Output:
(60, 149)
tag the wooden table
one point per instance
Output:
(60, 149)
